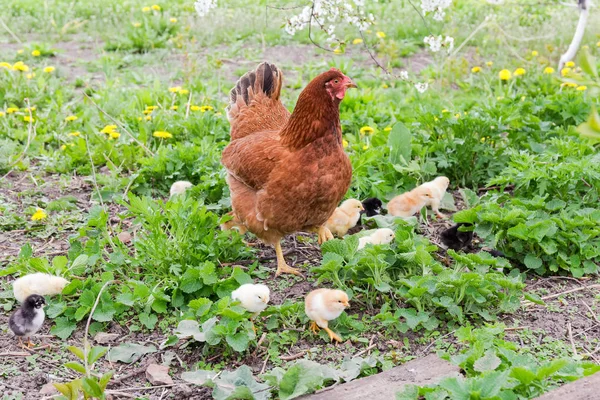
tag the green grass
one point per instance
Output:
(126, 72)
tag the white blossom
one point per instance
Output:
(204, 6)
(436, 43)
(404, 75)
(421, 87)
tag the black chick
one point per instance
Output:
(455, 239)
(372, 206)
(28, 319)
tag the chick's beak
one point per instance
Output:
(346, 304)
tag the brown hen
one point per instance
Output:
(286, 173)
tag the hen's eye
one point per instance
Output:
(336, 81)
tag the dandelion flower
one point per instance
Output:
(11, 110)
(49, 69)
(183, 91)
(146, 9)
(569, 84)
(20, 66)
(195, 108)
(569, 64)
(548, 70)
(136, 24)
(344, 143)
(505, 75)
(71, 118)
(27, 118)
(581, 88)
(146, 112)
(151, 107)
(108, 129)
(535, 53)
(387, 129)
(30, 109)
(174, 108)
(1, 114)
(148, 117)
(76, 133)
(174, 89)
(39, 215)
(489, 63)
(30, 76)
(457, 115)
(6, 65)
(384, 85)
(445, 111)
(36, 53)
(156, 7)
(114, 135)
(366, 146)
(366, 130)
(357, 41)
(380, 34)
(565, 71)
(206, 108)
(63, 147)
(162, 135)
(475, 70)
(519, 71)
(173, 20)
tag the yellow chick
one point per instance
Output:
(253, 297)
(344, 217)
(324, 305)
(234, 223)
(409, 203)
(380, 236)
(179, 187)
(38, 283)
(437, 189)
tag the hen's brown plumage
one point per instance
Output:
(286, 173)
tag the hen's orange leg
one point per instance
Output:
(282, 266)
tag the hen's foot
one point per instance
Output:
(282, 266)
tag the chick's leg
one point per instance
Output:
(314, 328)
(282, 266)
(332, 335)
(324, 234)
(435, 207)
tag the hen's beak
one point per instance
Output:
(350, 84)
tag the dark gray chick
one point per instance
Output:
(28, 319)
(455, 239)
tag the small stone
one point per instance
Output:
(185, 390)
(105, 338)
(48, 389)
(158, 375)
(124, 237)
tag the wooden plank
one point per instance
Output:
(385, 385)
(587, 388)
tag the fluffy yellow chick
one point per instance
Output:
(38, 283)
(234, 223)
(179, 187)
(380, 236)
(253, 297)
(437, 189)
(409, 203)
(324, 305)
(344, 217)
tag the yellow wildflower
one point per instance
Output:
(174, 89)
(39, 215)
(565, 71)
(109, 129)
(195, 108)
(523, 98)
(535, 53)
(475, 70)
(344, 143)
(148, 117)
(36, 53)
(146, 9)
(156, 7)
(146, 112)
(76, 133)
(568, 84)
(206, 108)
(151, 107)
(136, 24)
(482, 140)
(20, 51)
(489, 63)
(366, 146)
(519, 71)
(366, 130)
(114, 135)
(49, 69)
(548, 70)
(445, 111)
(505, 75)
(337, 51)
(384, 85)
(30, 76)
(357, 41)
(20, 66)
(162, 135)
(380, 34)
(183, 91)
(6, 65)
(11, 110)
(27, 118)
(598, 44)
(173, 20)
(581, 88)
(1, 114)
(174, 108)
(569, 64)
(30, 109)
(457, 115)
(387, 129)
(63, 147)
(71, 118)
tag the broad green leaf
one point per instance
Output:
(91, 387)
(239, 341)
(534, 298)
(587, 62)
(77, 351)
(189, 328)
(149, 320)
(304, 377)
(399, 141)
(79, 262)
(200, 306)
(63, 327)
(524, 375)
(95, 353)
(532, 262)
(489, 362)
(129, 352)
(75, 366)
(198, 377)
(239, 384)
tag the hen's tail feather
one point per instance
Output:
(254, 101)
